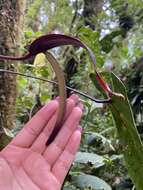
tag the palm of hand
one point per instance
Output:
(26, 163)
(28, 170)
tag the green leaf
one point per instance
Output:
(40, 60)
(129, 137)
(28, 33)
(22, 83)
(132, 146)
(8, 132)
(94, 159)
(67, 188)
(91, 38)
(107, 42)
(82, 181)
(98, 137)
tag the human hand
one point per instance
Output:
(27, 164)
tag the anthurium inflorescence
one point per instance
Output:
(49, 41)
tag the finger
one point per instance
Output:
(73, 100)
(39, 143)
(80, 105)
(63, 163)
(54, 150)
(75, 97)
(32, 129)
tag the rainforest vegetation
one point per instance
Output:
(111, 152)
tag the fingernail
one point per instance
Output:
(80, 128)
(71, 92)
(57, 98)
(80, 105)
(73, 95)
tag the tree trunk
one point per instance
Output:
(11, 19)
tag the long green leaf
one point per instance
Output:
(84, 181)
(132, 146)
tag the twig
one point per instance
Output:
(53, 82)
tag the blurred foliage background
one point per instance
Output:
(113, 29)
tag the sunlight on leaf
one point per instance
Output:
(40, 60)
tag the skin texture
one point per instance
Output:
(26, 163)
